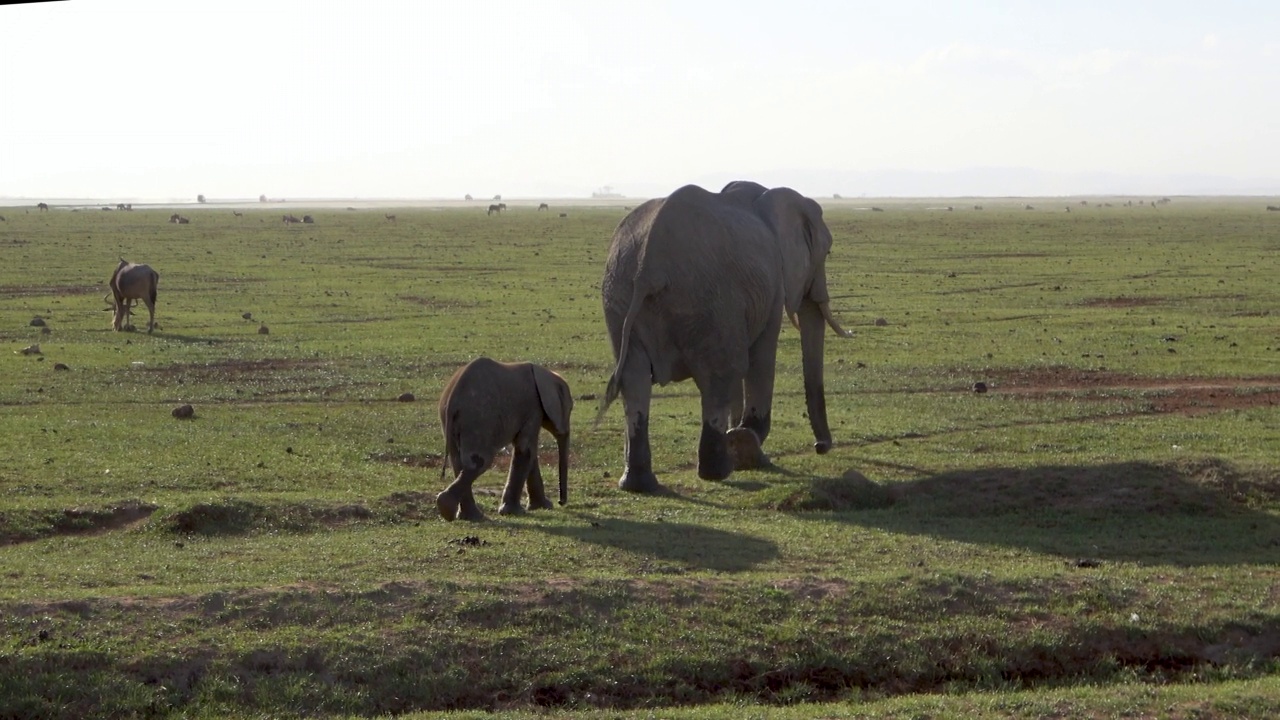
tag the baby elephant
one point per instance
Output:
(489, 405)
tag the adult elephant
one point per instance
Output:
(695, 287)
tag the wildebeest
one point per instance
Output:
(1273, 208)
(237, 213)
(3, 220)
(290, 219)
(175, 218)
(183, 221)
(544, 206)
(389, 217)
(494, 209)
(42, 206)
(119, 206)
(307, 219)
(131, 281)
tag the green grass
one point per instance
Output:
(1098, 534)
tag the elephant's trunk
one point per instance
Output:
(813, 319)
(562, 441)
(831, 320)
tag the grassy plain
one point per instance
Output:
(1098, 532)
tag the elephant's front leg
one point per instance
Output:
(523, 459)
(637, 388)
(538, 499)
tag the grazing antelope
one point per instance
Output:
(389, 217)
(544, 206)
(133, 282)
(42, 207)
(237, 213)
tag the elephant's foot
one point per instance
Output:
(509, 508)
(640, 481)
(447, 504)
(714, 461)
(745, 450)
(540, 504)
(822, 447)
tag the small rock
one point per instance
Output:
(184, 412)
(406, 397)
(37, 321)
(262, 329)
(979, 387)
(61, 366)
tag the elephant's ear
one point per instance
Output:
(804, 241)
(557, 403)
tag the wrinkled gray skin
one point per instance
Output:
(489, 405)
(133, 282)
(695, 286)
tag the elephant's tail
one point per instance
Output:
(614, 388)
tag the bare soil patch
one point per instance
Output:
(1122, 301)
(226, 368)
(1182, 395)
(35, 290)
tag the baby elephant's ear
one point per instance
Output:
(557, 403)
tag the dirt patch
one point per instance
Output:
(1181, 395)
(227, 368)
(34, 290)
(1122, 302)
(27, 525)
(439, 303)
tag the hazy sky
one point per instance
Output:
(159, 99)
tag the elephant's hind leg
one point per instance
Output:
(457, 500)
(714, 460)
(538, 499)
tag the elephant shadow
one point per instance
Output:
(689, 546)
(1190, 513)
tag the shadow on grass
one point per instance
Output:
(1197, 512)
(684, 545)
